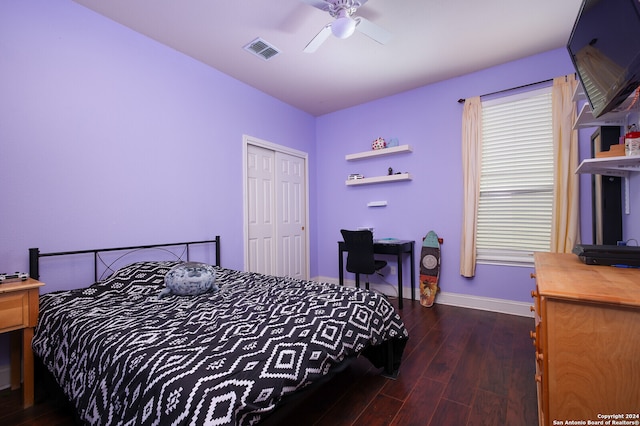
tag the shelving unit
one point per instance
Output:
(612, 166)
(586, 118)
(607, 166)
(614, 118)
(378, 152)
(379, 179)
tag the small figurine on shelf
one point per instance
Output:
(378, 144)
(632, 141)
(390, 171)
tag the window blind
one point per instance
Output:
(516, 184)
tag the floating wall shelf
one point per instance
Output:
(617, 117)
(612, 166)
(378, 152)
(586, 118)
(379, 179)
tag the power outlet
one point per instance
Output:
(392, 270)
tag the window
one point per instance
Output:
(516, 183)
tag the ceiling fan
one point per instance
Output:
(345, 23)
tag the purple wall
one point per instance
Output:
(108, 138)
(631, 222)
(428, 119)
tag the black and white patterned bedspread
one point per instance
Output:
(124, 356)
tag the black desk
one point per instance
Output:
(397, 247)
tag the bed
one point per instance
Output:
(122, 355)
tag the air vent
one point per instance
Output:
(262, 49)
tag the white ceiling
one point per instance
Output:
(433, 40)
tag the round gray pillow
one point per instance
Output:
(190, 278)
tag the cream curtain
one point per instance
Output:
(471, 160)
(566, 218)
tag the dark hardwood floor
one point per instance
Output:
(460, 367)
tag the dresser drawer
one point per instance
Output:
(14, 311)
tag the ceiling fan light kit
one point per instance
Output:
(343, 27)
(345, 23)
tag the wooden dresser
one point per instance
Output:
(587, 340)
(18, 315)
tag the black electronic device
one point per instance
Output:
(22, 275)
(606, 192)
(608, 255)
(605, 49)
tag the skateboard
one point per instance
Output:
(429, 268)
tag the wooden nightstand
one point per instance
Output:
(18, 315)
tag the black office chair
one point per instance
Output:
(360, 260)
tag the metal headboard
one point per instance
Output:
(35, 255)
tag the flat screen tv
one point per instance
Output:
(605, 49)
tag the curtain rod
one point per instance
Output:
(461, 100)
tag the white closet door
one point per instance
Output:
(261, 210)
(290, 216)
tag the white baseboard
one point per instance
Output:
(5, 376)
(503, 306)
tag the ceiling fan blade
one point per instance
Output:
(372, 30)
(320, 38)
